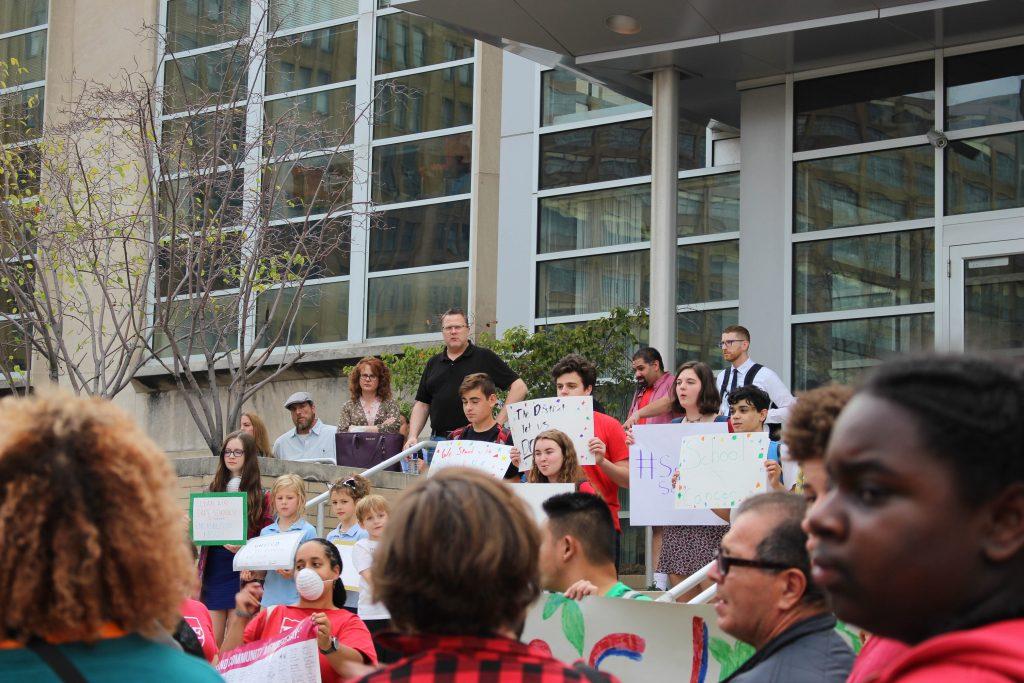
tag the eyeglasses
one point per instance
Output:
(234, 453)
(725, 563)
(723, 344)
(367, 376)
(452, 328)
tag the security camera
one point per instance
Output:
(937, 139)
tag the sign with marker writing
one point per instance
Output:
(268, 552)
(653, 457)
(573, 415)
(720, 470)
(219, 518)
(492, 458)
(289, 656)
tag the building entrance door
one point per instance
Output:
(986, 297)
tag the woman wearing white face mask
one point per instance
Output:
(341, 636)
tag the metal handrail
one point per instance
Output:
(324, 497)
(686, 584)
(705, 595)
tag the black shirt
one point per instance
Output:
(439, 385)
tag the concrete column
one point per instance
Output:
(664, 172)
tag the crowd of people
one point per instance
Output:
(907, 520)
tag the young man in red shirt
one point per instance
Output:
(574, 375)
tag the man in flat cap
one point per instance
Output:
(311, 438)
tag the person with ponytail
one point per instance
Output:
(342, 637)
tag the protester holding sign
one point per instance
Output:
(341, 636)
(289, 496)
(237, 470)
(479, 397)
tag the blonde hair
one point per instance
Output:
(289, 482)
(571, 471)
(371, 504)
(88, 520)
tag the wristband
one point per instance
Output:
(243, 614)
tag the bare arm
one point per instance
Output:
(417, 419)
(654, 408)
(516, 393)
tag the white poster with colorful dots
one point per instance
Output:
(573, 415)
(720, 470)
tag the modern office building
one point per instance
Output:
(845, 178)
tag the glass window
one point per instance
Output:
(15, 16)
(309, 186)
(708, 272)
(424, 102)
(862, 189)
(191, 202)
(195, 264)
(198, 23)
(409, 304)
(698, 334)
(880, 104)
(200, 325)
(22, 277)
(204, 80)
(309, 59)
(13, 349)
(21, 114)
(566, 99)
(405, 41)
(317, 121)
(994, 304)
(420, 236)
(321, 315)
(596, 153)
(692, 147)
(984, 88)
(421, 169)
(24, 166)
(891, 269)
(603, 218)
(203, 141)
(30, 51)
(839, 351)
(593, 284)
(288, 14)
(985, 174)
(323, 246)
(708, 205)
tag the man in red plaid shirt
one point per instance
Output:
(458, 569)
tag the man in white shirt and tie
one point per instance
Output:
(742, 371)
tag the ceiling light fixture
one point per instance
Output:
(623, 24)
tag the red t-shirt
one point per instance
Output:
(610, 431)
(197, 616)
(345, 626)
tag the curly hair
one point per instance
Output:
(571, 472)
(355, 487)
(486, 585)
(809, 424)
(91, 531)
(574, 362)
(383, 379)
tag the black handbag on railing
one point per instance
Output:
(366, 449)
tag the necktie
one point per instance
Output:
(735, 376)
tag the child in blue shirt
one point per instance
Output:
(288, 496)
(345, 493)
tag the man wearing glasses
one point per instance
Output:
(766, 597)
(438, 393)
(742, 371)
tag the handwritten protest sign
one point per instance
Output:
(720, 470)
(268, 552)
(573, 415)
(534, 496)
(653, 457)
(290, 656)
(219, 518)
(637, 641)
(349, 575)
(492, 458)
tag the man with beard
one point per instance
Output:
(311, 438)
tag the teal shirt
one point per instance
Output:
(621, 590)
(116, 660)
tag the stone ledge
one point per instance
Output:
(272, 467)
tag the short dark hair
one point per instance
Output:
(709, 401)
(478, 380)
(649, 355)
(756, 396)
(738, 329)
(486, 585)
(810, 420)
(967, 411)
(586, 518)
(786, 543)
(578, 364)
(455, 311)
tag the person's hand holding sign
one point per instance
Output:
(580, 590)
(516, 456)
(774, 470)
(323, 630)
(598, 450)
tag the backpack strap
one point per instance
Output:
(751, 374)
(52, 656)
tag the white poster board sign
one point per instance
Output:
(268, 552)
(534, 496)
(219, 518)
(635, 640)
(653, 457)
(491, 458)
(573, 415)
(349, 575)
(720, 470)
(290, 656)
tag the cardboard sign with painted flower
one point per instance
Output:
(720, 470)
(573, 415)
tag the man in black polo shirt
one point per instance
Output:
(438, 393)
